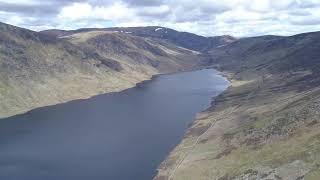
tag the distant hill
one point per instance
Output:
(183, 39)
(276, 54)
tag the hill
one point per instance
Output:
(266, 125)
(37, 69)
(182, 39)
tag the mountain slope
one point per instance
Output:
(266, 125)
(182, 39)
(38, 70)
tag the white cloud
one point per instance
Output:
(206, 17)
(80, 11)
(260, 5)
(79, 15)
(76, 11)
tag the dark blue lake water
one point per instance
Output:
(118, 136)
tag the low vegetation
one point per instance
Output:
(266, 125)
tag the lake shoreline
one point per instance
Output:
(239, 127)
(103, 93)
(129, 116)
(161, 170)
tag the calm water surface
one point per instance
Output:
(119, 136)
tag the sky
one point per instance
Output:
(240, 18)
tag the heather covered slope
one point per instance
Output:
(38, 70)
(266, 125)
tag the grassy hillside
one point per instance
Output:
(38, 69)
(266, 125)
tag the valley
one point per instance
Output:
(264, 126)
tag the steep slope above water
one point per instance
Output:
(266, 125)
(38, 70)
